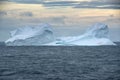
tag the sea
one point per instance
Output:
(59, 62)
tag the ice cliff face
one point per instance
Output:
(31, 35)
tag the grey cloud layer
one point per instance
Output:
(20, 14)
(60, 3)
(109, 4)
(28, 1)
(26, 14)
(103, 4)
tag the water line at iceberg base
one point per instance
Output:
(42, 34)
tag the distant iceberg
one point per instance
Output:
(42, 34)
(31, 35)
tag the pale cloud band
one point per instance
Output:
(101, 4)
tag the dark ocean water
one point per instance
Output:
(60, 63)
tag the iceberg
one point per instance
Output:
(31, 35)
(42, 34)
(96, 35)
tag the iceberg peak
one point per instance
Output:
(98, 30)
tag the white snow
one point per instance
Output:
(96, 35)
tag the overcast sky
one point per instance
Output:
(109, 4)
(68, 17)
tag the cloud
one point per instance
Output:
(26, 14)
(107, 4)
(27, 1)
(3, 13)
(59, 3)
(3, 0)
(111, 1)
(103, 4)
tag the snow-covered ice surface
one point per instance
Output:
(31, 35)
(97, 34)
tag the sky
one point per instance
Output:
(68, 17)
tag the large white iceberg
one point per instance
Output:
(31, 35)
(97, 34)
